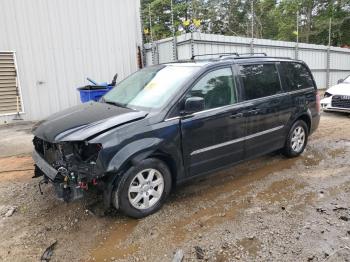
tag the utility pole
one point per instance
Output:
(173, 31)
(252, 28)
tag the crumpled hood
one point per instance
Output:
(83, 121)
(340, 89)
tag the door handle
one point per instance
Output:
(276, 102)
(234, 116)
(253, 112)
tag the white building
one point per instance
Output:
(49, 47)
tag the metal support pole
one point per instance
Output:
(192, 40)
(297, 44)
(329, 54)
(173, 31)
(143, 40)
(157, 51)
(252, 28)
(150, 32)
(192, 45)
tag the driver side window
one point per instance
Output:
(217, 88)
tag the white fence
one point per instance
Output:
(328, 65)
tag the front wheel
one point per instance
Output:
(143, 188)
(296, 140)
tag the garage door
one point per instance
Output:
(10, 101)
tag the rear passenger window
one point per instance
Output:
(296, 76)
(260, 80)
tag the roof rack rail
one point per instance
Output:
(219, 54)
(243, 55)
(228, 56)
(253, 54)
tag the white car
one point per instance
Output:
(337, 98)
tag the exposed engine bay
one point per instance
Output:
(70, 166)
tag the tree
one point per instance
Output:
(273, 19)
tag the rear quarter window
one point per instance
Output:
(260, 80)
(296, 76)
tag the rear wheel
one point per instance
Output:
(143, 188)
(296, 140)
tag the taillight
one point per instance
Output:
(318, 102)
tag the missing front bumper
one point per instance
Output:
(44, 167)
(64, 190)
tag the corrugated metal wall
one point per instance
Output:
(314, 55)
(58, 43)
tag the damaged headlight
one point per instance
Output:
(87, 152)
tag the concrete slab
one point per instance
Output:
(16, 139)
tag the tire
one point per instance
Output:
(296, 140)
(132, 192)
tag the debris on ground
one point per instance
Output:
(10, 211)
(344, 218)
(199, 252)
(46, 256)
(7, 211)
(321, 210)
(179, 255)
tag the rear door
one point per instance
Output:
(298, 81)
(267, 108)
(211, 138)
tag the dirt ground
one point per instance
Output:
(268, 209)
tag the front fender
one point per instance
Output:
(134, 151)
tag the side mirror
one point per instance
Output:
(340, 81)
(194, 104)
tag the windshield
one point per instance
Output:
(150, 88)
(347, 80)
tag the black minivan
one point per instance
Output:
(169, 123)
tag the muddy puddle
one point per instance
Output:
(115, 247)
(224, 196)
(219, 198)
(251, 245)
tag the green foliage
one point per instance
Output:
(273, 19)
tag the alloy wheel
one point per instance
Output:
(146, 189)
(298, 139)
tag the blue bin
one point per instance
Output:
(89, 93)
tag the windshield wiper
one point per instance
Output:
(113, 103)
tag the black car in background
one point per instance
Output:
(169, 123)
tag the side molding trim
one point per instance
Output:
(205, 149)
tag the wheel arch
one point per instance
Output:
(305, 116)
(307, 119)
(131, 155)
(170, 163)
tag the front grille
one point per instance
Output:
(341, 101)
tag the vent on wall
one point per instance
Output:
(10, 98)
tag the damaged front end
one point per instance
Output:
(71, 167)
